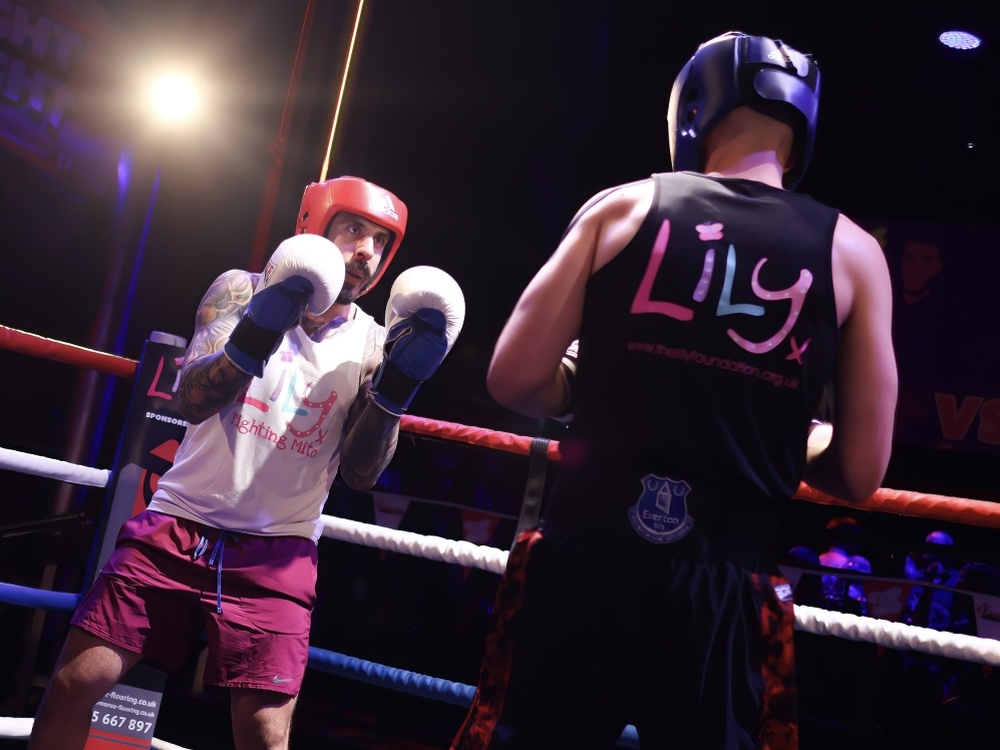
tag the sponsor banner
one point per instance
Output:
(389, 508)
(53, 100)
(152, 431)
(886, 598)
(125, 716)
(477, 527)
(987, 616)
(151, 434)
(946, 332)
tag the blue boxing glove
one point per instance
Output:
(423, 317)
(305, 272)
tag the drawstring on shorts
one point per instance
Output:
(217, 553)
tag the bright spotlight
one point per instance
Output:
(174, 97)
(959, 40)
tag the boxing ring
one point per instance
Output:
(983, 648)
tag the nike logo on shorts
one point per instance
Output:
(277, 680)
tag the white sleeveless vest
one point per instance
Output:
(265, 464)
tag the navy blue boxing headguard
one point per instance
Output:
(735, 69)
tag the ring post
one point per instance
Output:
(153, 429)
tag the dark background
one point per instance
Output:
(493, 122)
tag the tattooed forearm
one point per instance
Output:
(209, 380)
(208, 385)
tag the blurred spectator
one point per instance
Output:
(837, 677)
(840, 592)
(930, 606)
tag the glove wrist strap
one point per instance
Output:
(250, 346)
(393, 389)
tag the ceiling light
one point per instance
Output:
(959, 40)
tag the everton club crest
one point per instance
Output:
(661, 513)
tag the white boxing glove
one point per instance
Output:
(423, 317)
(304, 272)
(313, 258)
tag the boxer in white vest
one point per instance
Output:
(287, 382)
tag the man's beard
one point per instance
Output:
(347, 296)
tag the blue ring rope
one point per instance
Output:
(37, 598)
(400, 680)
(413, 683)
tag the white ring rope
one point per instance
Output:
(897, 635)
(418, 545)
(368, 535)
(53, 468)
(808, 619)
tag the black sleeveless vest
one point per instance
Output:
(704, 349)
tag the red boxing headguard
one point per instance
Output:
(321, 201)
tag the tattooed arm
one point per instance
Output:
(370, 433)
(209, 380)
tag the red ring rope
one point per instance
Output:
(38, 346)
(941, 507)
